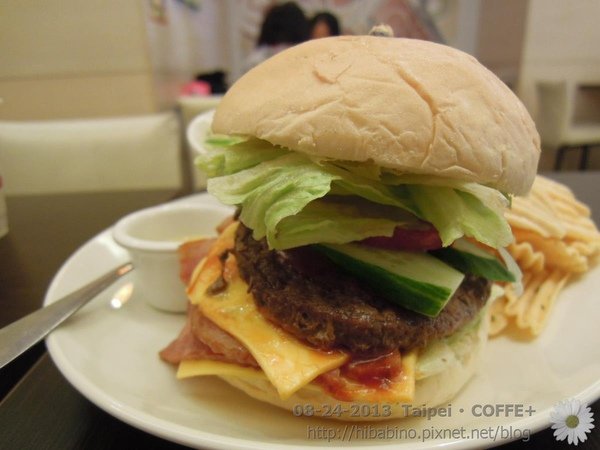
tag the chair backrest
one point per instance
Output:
(91, 155)
(554, 111)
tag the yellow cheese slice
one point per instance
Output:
(288, 363)
(204, 367)
(404, 389)
(401, 390)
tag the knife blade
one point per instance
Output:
(22, 334)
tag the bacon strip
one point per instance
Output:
(370, 377)
(202, 339)
(219, 341)
(186, 346)
(190, 254)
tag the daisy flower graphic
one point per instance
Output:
(571, 420)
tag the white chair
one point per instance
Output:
(122, 153)
(191, 107)
(558, 130)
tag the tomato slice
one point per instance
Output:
(416, 239)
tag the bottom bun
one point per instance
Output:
(430, 391)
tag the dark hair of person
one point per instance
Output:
(284, 24)
(331, 21)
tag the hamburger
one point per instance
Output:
(370, 175)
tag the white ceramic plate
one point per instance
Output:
(111, 357)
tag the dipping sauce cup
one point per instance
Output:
(152, 236)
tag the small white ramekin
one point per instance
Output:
(152, 236)
(197, 131)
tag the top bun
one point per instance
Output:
(404, 104)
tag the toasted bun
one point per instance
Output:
(405, 104)
(431, 391)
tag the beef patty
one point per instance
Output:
(310, 297)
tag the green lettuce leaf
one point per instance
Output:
(238, 155)
(335, 220)
(492, 198)
(364, 169)
(274, 186)
(441, 355)
(351, 184)
(272, 190)
(456, 213)
(223, 140)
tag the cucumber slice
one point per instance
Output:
(416, 281)
(468, 258)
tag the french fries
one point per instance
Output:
(555, 238)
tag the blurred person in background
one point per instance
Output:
(284, 25)
(324, 24)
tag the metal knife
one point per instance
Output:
(19, 336)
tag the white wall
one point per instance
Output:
(73, 58)
(500, 37)
(63, 59)
(562, 41)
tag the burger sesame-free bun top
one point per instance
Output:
(404, 104)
